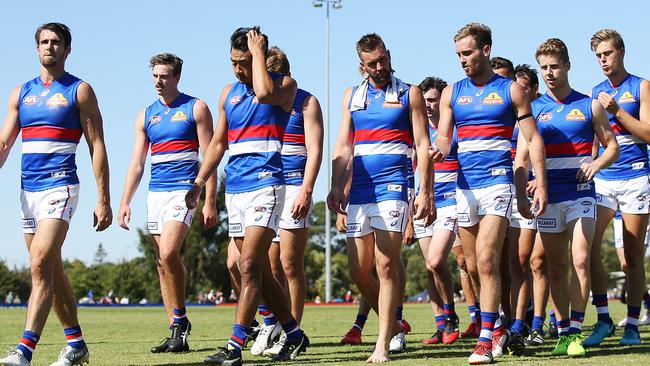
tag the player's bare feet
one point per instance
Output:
(378, 356)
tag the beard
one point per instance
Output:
(49, 61)
(380, 78)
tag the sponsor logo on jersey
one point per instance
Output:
(152, 225)
(464, 100)
(547, 223)
(493, 98)
(638, 165)
(57, 100)
(235, 99)
(627, 97)
(576, 115)
(179, 117)
(498, 171)
(58, 174)
(353, 228)
(29, 223)
(234, 228)
(397, 104)
(463, 217)
(545, 117)
(155, 119)
(262, 175)
(30, 100)
(394, 188)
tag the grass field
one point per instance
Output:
(123, 336)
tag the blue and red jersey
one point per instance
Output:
(255, 134)
(51, 130)
(171, 130)
(294, 151)
(445, 173)
(567, 130)
(633, 160)
(484, 119)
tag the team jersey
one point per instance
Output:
(633, 160)
(484, 118)
(171, 130)
(51, 130)
(445, 173)
(255, 133)
(294, 152)
(382, 143)
(567, 130)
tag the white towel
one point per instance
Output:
(395, 88)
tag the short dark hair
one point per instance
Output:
(432, 82)
(524, 70)
(369, 43)
(277, 61)
(169, 59)
(60, 29)
(502, 63)
(239, 40)
(481, 33)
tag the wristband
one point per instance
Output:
(199, 181)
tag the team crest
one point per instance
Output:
(576, 115)
(30, 100)
(545, 117)
(464, 100)
(493, 98)
(627, 97)
(236, 99)
(57, 100)
(179, 116)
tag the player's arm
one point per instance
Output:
(342, 158)
(535, 145)
(135, 171)
(213, 154)
(204, 130)
(423, 204)
(607, 139)
(313, 122)
(445, 126)
(522, 160)
(93, 130)
(638, 127)
(11, 126)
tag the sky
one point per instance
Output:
(113, 41)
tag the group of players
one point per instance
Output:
(492, 157)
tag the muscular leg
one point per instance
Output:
(170, 266)
(506, 281)
(465, 280)
(233, 266)
(468, 239)
(488, 255)
(557, 257)
(434, 295)
(539, 269)
(521, 247)
(276, 265)
(439, 249)
(634, 232)
(292, 254)
(582, 234)
(598, 275)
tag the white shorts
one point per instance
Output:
(557, 215)
(286, 221)
(445, 220)
(618, 234)
(471, 204)
(391, 215)
(630, 195)
(518, 221)
(261, 207)
(167, 206)
(54, 203)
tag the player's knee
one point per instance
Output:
(169, 257)
(41, 269)
(487, 266)
(387, 267)
(249, 269)
(581, 262)
(537, 265)
(437, 263)
(293, 268)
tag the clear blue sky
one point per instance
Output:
(113, 41)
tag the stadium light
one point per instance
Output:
(334, 4)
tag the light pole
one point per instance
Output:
(334, 4)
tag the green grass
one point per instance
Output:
(123, 336)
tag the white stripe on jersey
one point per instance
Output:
(628, 140)
(484, 145)
(567, 163)
(381, 148)
(294, 150)
(445, 177)
(255, 146)
(49, 147)
(180, 156)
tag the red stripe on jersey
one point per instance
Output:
(51, 132)
(619, 129)
(249, 132)
(446, 165)
(383, 135)
(175, 145)
(513, 152)
(485, 131)
(294, 138)
(569, 148)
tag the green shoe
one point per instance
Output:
(562, 346)
(575, 348)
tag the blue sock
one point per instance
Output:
(517, 327)
(563, 327)
(180, 317)
(28, 344)
(238, 338)
(292, 330)
(575, 325)
(600, 301)
(254, 323)
(398, 313)
(633, 318)
(267, 314)
(74, 337)
(440, 322)
(538, 323)
(552, 319)
(450, 309)
(472, 312)
(360, 322)
(487, 326)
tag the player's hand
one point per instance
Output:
(209, 213)
(336, 201)
(341, 223)
(103, 216)
(256, 41)
(408, 237)
(192, 196)
(301, 204)
(124, 216)
(531, 186)
(435, 154)
(608, 103)
(424, 209)
(587, 171)
(540, 200)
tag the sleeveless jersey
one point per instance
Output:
(484, 118)
(294, 152)
(445, 173)
(51, 130)
(382, 143)
(633, 160)
(174, 144)
(567, 130)
(255, 133)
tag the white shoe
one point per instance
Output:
(623, 322)
(644, 319)
(397, 343)
(72, 356)
(264, 340)
(14, 358)
(277, 346)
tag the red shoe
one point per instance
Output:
(499, 340)
(450, 334)
(436, 338)
(406, 327)
(482, 354)
(352, 337)
(471, 331)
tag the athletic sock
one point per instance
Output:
(552, 318)
(254, 323)
(517, 327)
(238, 338)
(538, 323)
(487, 326)
(600, 302)
(450, 309)
(28, 344)
(646, 300)
(74, 337)
(472, 312)
(398, 313)
(563, 327)
(267, 314)
(292, 330)
(575, 325)
(360, 322)
(633, 318)
(180, 317)
(440, 322)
